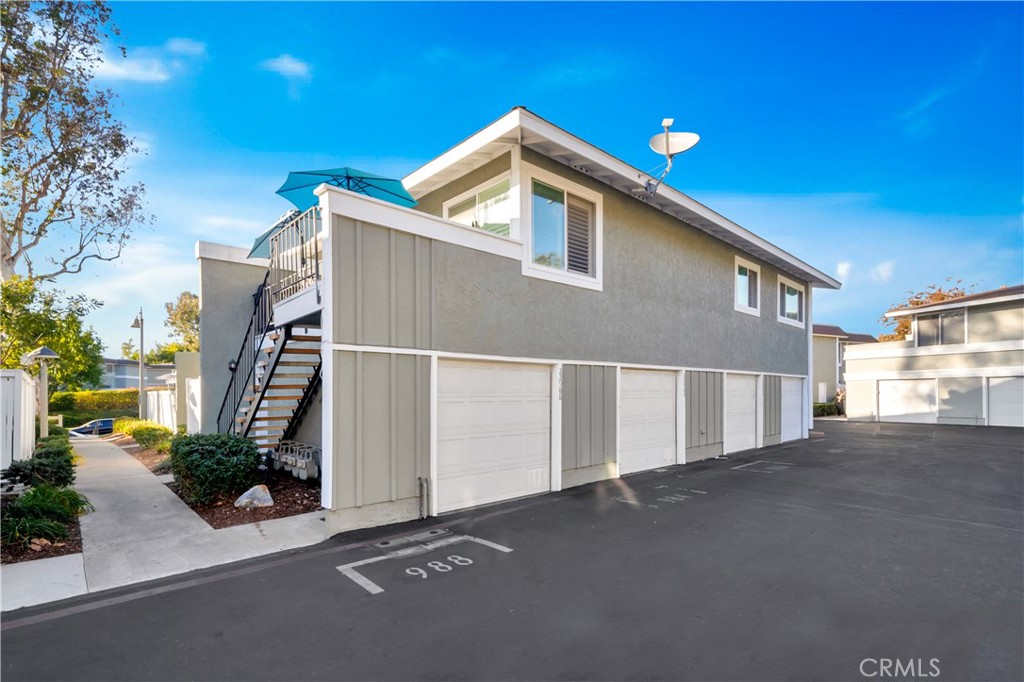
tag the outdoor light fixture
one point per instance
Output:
(232, 365)
(140, 325)
(42, 355)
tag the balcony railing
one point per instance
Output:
(295, 257)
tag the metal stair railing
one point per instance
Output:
(295, 256)
(244, 367)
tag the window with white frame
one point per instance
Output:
(791, 302)
(561, 228)
(942, 329)
(487, 207)
(747, 297)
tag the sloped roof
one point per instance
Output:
(995, 295)
(521, 126)
(828, 330)
(861, 338)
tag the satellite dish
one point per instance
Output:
(667, 144)
(671, 144)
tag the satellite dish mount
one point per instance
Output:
(668, 144)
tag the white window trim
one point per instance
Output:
(528, 174)
(487, 184)
(799, 287)
(737, 306)
(938, 317)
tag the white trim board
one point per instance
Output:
(1011, 371)
(953, 304)
(871, 351)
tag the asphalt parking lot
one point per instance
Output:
(807, 561)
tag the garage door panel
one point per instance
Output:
(908, 400)
(1006, 401)
(647, 417)
(494, 432)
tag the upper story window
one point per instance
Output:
(562, 230)
(747, 297)
(942, 329)
(791, 302)
(487, 207)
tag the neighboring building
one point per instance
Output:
(537, 322)
(124, 373)
(830, 343)
(962, 364)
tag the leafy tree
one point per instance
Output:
(63, 151)
(934, 293)
(183, 319)
(162, 354)
(30, 317)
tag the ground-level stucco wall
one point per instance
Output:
(589, 423)
(186, 366)
(225, 307)
(381, 437)
(861, 403)
(772, 418)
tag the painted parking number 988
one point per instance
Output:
(438, 566)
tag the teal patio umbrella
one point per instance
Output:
(261, 247)
(299, 186)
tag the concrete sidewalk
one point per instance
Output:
(142, 531)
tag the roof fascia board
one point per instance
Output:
(471, 145)
(935, 308)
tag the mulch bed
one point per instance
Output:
(150, 458)
(291, 497)
(13, 554)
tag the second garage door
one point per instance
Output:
(740, 412)
(1006, 401)
(493, 432)
(907, 400)
(647, 420)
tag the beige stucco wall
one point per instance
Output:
(825, 366)
(998, 322)
(934, 362)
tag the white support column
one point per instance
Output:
(808, 405)
(556, 427)
(618, 418)
(327, 386)
(681, 417)
(433, 435)
(759, 407)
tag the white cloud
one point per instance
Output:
(185, 46)
(843, 270)
(135, 69)
(882, 272)
(150, 64)
(289, 67)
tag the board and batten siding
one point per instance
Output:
(704, 427)
(588, 424)
(381, 413)
(772, 418)
(383, 286)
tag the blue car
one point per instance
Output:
(97, 427)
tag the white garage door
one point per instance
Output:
(740, 412)
(647, 420)
(493, 432)
(792, 409)
(907, 400)
(1006, 401)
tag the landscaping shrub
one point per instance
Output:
(41, 512)
(146, 433)
(93, 401)
(826, 409)
(209, 466)
(52, 463)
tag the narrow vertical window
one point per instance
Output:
(747, 299)
(791, 302)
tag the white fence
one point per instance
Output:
(18, 416)
(161, 408)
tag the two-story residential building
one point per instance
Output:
(538, 321)
(124, 373)
(963, 363)
(830, 344)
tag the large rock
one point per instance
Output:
(256, 496)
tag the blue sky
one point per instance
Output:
(883, 143)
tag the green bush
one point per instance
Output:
(210, 466)
(146, 433)
(59, 504)
(52, 463)
(41, 512)
(93, 401)
(77, 417)
(826, 409)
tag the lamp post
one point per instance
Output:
(42, 355)
(140, 325)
